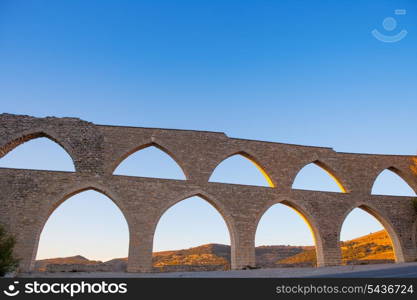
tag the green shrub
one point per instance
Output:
(8, 262)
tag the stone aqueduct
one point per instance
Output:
(28, 197)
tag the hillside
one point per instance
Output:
(210, 254)
(371, 248)
(374, 247)
(267, 256)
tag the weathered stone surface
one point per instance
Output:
(28, 197)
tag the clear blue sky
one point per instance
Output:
(305, 72)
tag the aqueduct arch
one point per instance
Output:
(405, 176)
(54, 203)
(121, 159)
(386, 224)
(308, 220)
(330, 172)
(216, 204)
(29, 195)
(251, 159)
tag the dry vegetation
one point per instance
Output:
(375, 247)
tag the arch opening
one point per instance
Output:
(150, 161)
(367, 238)
(241, 168)
(36, 152)
(192, 235)
(389, 182)
(84, 231)
(280, 245)
(316, 176)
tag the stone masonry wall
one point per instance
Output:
(28, 197)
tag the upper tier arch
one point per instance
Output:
(405, 178)
(22, 138)
(150, 146)
(251, 159)
(12, 145)
(330, 172)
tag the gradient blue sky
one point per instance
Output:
(305, 72)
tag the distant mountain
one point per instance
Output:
(40, 265)
(218, 254)
(374, 247)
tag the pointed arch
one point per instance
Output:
(316, 168)
(389, 179)
(85, 221)
(220, 208)
(194, 205)
(22, 139)
(385, 223)
(62, 197)
(181, 174)
(308, 221)
(265, 181)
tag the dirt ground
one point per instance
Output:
(257, 273)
